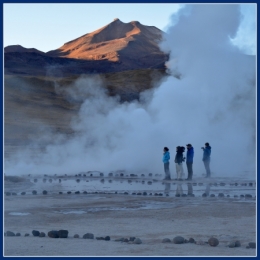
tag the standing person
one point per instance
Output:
(178, 162)
(166, 159)
(189, 160)
(206, 158)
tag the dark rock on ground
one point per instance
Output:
(76, 236)
(88, 236)
(126, 193)
(85, 192)
(63, 233)
(10, 234)
(18, 234)
(44, 192)
(178, 240)
(26, 234)
(242, 196)
(131, 238)
(221, 195)
(8, 193)
(35, 233)
(137, 241)
(69, 192)
(107, 238)
(191, 240)
(237, 243)
(53, 234)
(212, 195)
(77, 192)
(232, 244)
(60, 192)
(144, 193)
(166, 240)
(42, 234)
(248, 196)
(125, 240)
(213, 241)
(23, 193)
(34, 192)
(252, 245)
(14, 193)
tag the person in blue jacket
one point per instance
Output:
(189, 160)
(166, 162)
(206, 158)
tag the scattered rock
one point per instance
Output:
(184, 195)
(212, 195)
(139, 193)
(131, 238)
(191, 240)
(178, 240)
(149, 182)
(35, 233)
(101, 174)
(8, 193)
(60, 192)
(125, 240)
(221, 195)
(26, 234)
(23, 193)
(85, 192)
(18, 234)
(63, 233)
(137, 241)
(53, 234)
(10, 234)
(166, 240)
(242, 196)
(204, 195)
(213, 241)
(77, 192)
(144, 193)
(121, 174)
(44, 192)
(252, 245)
(235, 196)
(76, 236)
(42, 234)
(78, 180)
(34, 192)
(126, 193)
(69, 192)
(111, 174)
(150, 174)
(248, 196)
(14, 193)
(232, 244)
(35, 180)
(237, 243)
(107, 238)
(88, 236)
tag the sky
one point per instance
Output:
(48, 26)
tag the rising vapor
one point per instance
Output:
(212, 99)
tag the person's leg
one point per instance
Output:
(177, 170)
(181, 171)
(167, 171)
(206, 164)
(190, 171)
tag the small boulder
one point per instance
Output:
(35, 233)
(53, 234)
(34, 192)
(252, 245)
(14, 193)
(68, 192)
(125, 240)
(42, 234)
(60, 192)
(18, 234)
(44, 192)
(212, 195)
(77, 192)
(232, 244)
(221, 195)
(178, 240)
(10, 234)
(191, 240)
(237, 243)
(213, 241)
(63, 233)
(107, 238)
(8, 193)
(26, 234)
(166, 240)
(144, 193)
(76, 236)
(23, 193)
(137, 241)
(131, 238)
(88, 236)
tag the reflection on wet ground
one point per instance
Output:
(96, 183)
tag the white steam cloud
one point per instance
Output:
(212, 100)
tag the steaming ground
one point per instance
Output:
(212, 100)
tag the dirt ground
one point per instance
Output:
(150, 218)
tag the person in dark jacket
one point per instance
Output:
(206, 158)
(189, 160)
(166, 162)
(178, 162)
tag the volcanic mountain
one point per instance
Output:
(115, 47)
